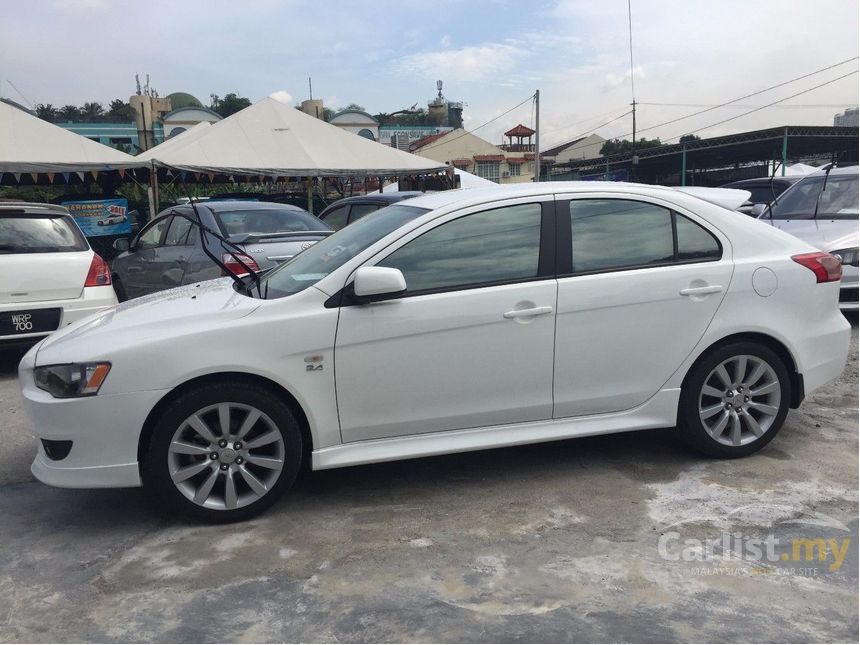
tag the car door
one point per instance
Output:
(171, 258)
(470, 343)
(639, 284)
(134, 269)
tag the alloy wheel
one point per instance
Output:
(739, 400)
(226, 456)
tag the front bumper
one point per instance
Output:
(92, 301)
(104, 431)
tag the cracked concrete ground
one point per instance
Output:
(553, 542)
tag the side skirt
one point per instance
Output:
(658, 412)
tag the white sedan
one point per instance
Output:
(49, 275)
(456, 321)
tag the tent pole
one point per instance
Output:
(310, 188)
(153, 191)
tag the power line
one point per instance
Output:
(762, 107)
(595, 117)
(495, 118)
(20, 93)
(741, 98)
(590, 130)
(746, 106)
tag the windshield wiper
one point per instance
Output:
(823, 186)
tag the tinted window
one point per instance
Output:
(337, 217)
(178, 232)
(268, 220)
(495, 245)
(39, 234)
(694, 242)
(312, 265)
(152, 234)
(839, 199)
(763, 194)
(616, 233)
(360, 210)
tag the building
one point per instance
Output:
(156, 119)
(848, 119)
(581, 148)
(403, 136)
(357, 122)
(471, 153)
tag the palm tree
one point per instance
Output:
(92, 112)
(46, 112)
(69, 113)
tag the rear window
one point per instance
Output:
(837, 199)
(239, 222)
(23, 233)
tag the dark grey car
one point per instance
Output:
(168, 252)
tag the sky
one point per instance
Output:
(491, 54)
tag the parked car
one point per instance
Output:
(833, 227)
(351, 209)
(49, 275)
(168, 252)
(763, 190)
(455, 321)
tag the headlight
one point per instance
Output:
(74, 379)
(847, 256)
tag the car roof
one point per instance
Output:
(222, 206)
(475, 196)
(763, 181)
(388, 198)
(32, 207)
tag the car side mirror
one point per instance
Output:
(378, 283)
(121, 244)
(758, 210)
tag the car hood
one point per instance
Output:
(825, 234)
(177, 311)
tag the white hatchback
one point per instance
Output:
(455, 321)
(49, 275)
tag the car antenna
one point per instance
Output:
(830, 167)
(204, 230)
(772, 193)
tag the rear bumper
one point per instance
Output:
(92, 301)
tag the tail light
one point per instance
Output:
(99, 273)
(233, 266)
(825, 267)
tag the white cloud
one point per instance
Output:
(445, 41)
(467, 64)
(283, 96)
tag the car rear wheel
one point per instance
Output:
(223, 452)
(734, 400)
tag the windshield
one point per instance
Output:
(268, 220)
(312, 265)
(838, 201)
(39, 234)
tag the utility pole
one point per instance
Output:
(633, 159)
(537, 135)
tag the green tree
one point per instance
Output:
(406, 117)
(92, 112)
(46, 112)
(119, 110)
(623, 146)
(352, 106)
(69, 113)
(689, 137)
(230, 104)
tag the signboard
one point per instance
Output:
(98, 217)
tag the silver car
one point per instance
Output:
(822, 209)
(169, 251)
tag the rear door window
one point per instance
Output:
(360, 210)
(25, 233)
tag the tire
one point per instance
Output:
(119, 289)
(189, 464)
(727, 415)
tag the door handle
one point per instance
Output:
(527, 313)
(134, 269)
(702, 291)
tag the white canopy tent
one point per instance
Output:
(30, 145)
(174, 143)
(467, 180)
(270, 138)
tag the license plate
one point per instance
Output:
(29, 322)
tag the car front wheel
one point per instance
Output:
(734, 400)
(223, 452)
